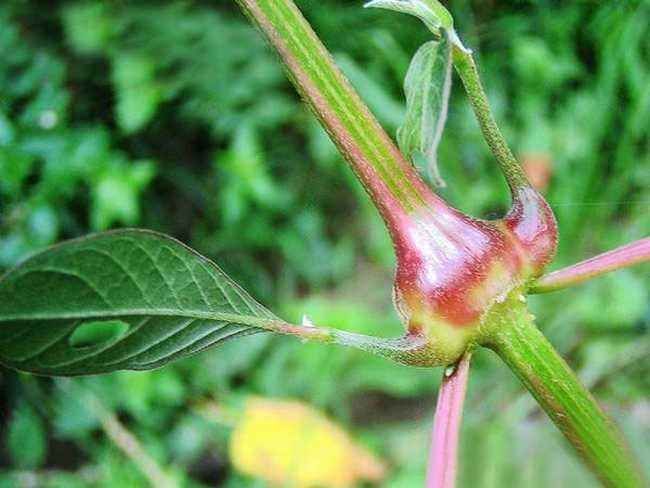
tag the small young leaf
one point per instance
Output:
(136, 299)
(427, 88)
(431, 12)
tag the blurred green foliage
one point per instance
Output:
(175, 116)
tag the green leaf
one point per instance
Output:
(138, 92)
(116, 192)
(26, 440)
(87, 26)
(434, 15)
(7, 130)
(136, 299)
(427, 88)
(172, 301)
(15, 167)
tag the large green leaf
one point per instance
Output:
(133, 299)
(427, 88)
(171, 302)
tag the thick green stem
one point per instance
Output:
(569, 404)
(391, 181)
(468, 72)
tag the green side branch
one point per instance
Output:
(468, 73)
(567, 402)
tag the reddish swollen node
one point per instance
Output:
(451, 268)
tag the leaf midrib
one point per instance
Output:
(264, 323)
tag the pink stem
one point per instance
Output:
(621, 257)
(446, 425)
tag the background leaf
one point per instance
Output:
(427, 87)
(271, 435)
(138, 93)
(150, 298)
(26, 438)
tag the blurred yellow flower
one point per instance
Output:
(288, 443)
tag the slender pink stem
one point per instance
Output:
(446, 425)
(621, 257)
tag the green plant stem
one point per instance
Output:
(569, 404)
(468, 72)
(391, 181)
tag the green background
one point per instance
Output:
(175, 116)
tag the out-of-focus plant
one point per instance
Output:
(35, 139)
(135, 300)
(291, 444)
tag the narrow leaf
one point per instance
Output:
(427, 87)
(434, 15)
(135, 299)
